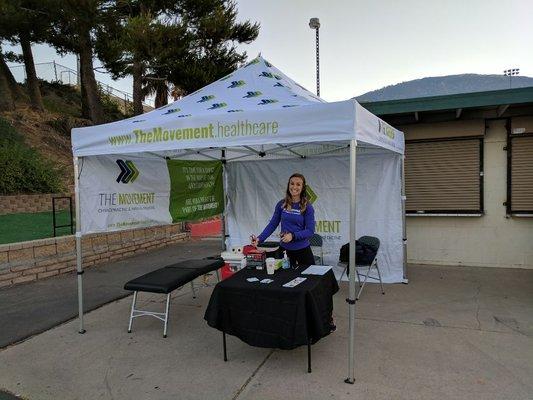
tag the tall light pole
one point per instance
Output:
(314, 23)
(510, 73)
(78, 71)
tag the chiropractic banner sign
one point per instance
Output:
(133, 191)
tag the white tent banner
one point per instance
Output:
(301, 124)
(250, 206)
(109, 203)
(372, 130)
(132, 191)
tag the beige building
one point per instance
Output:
(469, 176)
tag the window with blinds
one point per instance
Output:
(444, 176)
(520, 175)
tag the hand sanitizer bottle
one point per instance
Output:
(285, 264)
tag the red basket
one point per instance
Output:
(225, 271)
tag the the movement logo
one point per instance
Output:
(267, 101)
(171, 110)
(254, 61)
(252, 94)
(311, 195)
(236, 84)
(331, 227)
(265, 74)
(128, 171)
(215, 106)
(203, 99)
(386, 129)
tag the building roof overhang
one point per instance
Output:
(494, 103)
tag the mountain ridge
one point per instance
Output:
(444, 85)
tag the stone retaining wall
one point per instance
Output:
(38, 259)
(33, 203)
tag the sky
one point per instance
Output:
(368, 44)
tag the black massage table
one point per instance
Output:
(167, 279)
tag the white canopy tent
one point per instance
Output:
(254, 114)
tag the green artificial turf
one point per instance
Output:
(31, 226)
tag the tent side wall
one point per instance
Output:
(255, 187)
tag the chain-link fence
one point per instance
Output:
(54, 72)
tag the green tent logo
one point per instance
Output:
(266, 74)
(386, 129)
(252, 94)
(172, 110)
(267, 101)
(203, 99)
(128, 172)
(215, 106)
(254, 61)
(311, 195)
(236, 84)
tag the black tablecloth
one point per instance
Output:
(269, 315)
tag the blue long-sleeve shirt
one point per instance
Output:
(302, 226)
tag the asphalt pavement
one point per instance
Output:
(31, 308)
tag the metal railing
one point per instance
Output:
(54, 72)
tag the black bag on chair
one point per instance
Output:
(364, 253)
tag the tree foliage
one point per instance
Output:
(213, 52)
(24, 170)
(73, 30)
(22, 22)
(165, 45)
(178, 45)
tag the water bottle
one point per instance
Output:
(285, 264)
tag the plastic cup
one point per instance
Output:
(270, 265)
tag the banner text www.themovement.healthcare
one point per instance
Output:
(209, 131)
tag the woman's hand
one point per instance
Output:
(286, 237)
(254, 240)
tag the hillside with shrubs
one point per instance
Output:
(35, 148)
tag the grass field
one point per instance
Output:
(31, 226)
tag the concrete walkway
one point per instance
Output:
(453, 332)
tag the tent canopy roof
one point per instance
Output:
(255, 105)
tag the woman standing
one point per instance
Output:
(297, 218)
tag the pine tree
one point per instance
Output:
(25, 22)
(6, 96)
(213, 53)
(135, 35)
(74, 25)
(10, 90)
(181, 43)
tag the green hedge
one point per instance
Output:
(24, 170)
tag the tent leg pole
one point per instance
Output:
(351, 295)
(224, 230)
(79, 265)
(404, 225)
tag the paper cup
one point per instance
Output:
(271, 265)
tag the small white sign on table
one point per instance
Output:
(316, 270)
